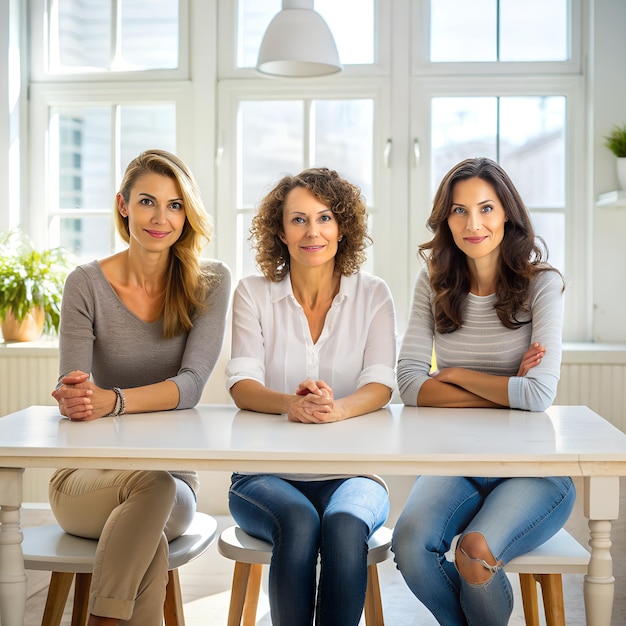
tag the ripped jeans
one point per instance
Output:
(515, 515)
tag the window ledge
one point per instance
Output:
(590, 352)
(41, 347)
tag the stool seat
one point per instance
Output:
(237, 545)
(250, 554)
(561, 554)
(50, 548)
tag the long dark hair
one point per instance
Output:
(522, 254)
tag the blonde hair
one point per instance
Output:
(187, 283)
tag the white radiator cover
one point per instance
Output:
(591, 374)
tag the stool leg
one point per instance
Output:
(373, 601)
(238, 591)
(80, 612)
(59, 589)
(528, 585)
(252, 594)
(173, 607)
(552, 592)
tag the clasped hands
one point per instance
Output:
(314, 404)
(80, 399)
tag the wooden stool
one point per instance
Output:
(50, 548)
(561, 554)
(250, 554)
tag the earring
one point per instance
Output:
(340, 238)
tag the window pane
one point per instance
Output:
(343, 139)
(145, 127)
(83, 36)
(551, 228)
(271, 145)
(350, 21)
(463, 31)
(84, 33)
(149, 34)
(534, 30)
(245, 254)
(532, 148)
(461, 128)
(80, 156)
(88, 238)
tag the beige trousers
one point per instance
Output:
(133, 514)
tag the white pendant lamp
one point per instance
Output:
(298, 43)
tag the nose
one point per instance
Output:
(473, 221)
(312, 232)
(159, 215)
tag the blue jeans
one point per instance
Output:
(514, 515)
(301, 519)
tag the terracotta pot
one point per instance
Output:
(28, 330)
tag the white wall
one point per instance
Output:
(608, 107)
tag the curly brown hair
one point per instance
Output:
(343, 198)
(187, 282)
(522, 255)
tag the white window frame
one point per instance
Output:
(39, 17)
(577, 218)
(227, 46)
(232, 92)
(422, 65)
(59, 95)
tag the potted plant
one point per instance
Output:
(31, 287)
(615, 141)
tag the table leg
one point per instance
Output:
(12, 573)
(601, 506)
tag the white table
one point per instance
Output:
(398, 440)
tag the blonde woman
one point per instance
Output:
(140, 331)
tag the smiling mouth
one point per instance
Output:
(157, 234)
(312, 248)
(475, 239)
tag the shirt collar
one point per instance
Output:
(347, 288)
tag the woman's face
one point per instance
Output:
(310, 229)
(476, 218)
(155, 211)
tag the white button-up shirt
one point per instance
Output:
(272, 344)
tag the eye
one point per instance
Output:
(458, 210)
(325, 218)
(145, 201)
(487, 208)
(176, 206)
(298, 220)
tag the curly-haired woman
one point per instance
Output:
(492, 308)
(313, 338)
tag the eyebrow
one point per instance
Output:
(295, 212)
(479, 203)
(149, 195)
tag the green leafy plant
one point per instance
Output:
(30, 278)
(615, 141)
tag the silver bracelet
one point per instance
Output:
(120, 403)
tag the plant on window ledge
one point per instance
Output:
(615, 141)
(31, 287)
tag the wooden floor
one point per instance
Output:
(206, 584)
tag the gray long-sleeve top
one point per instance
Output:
(484, 344)
(99, 335)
